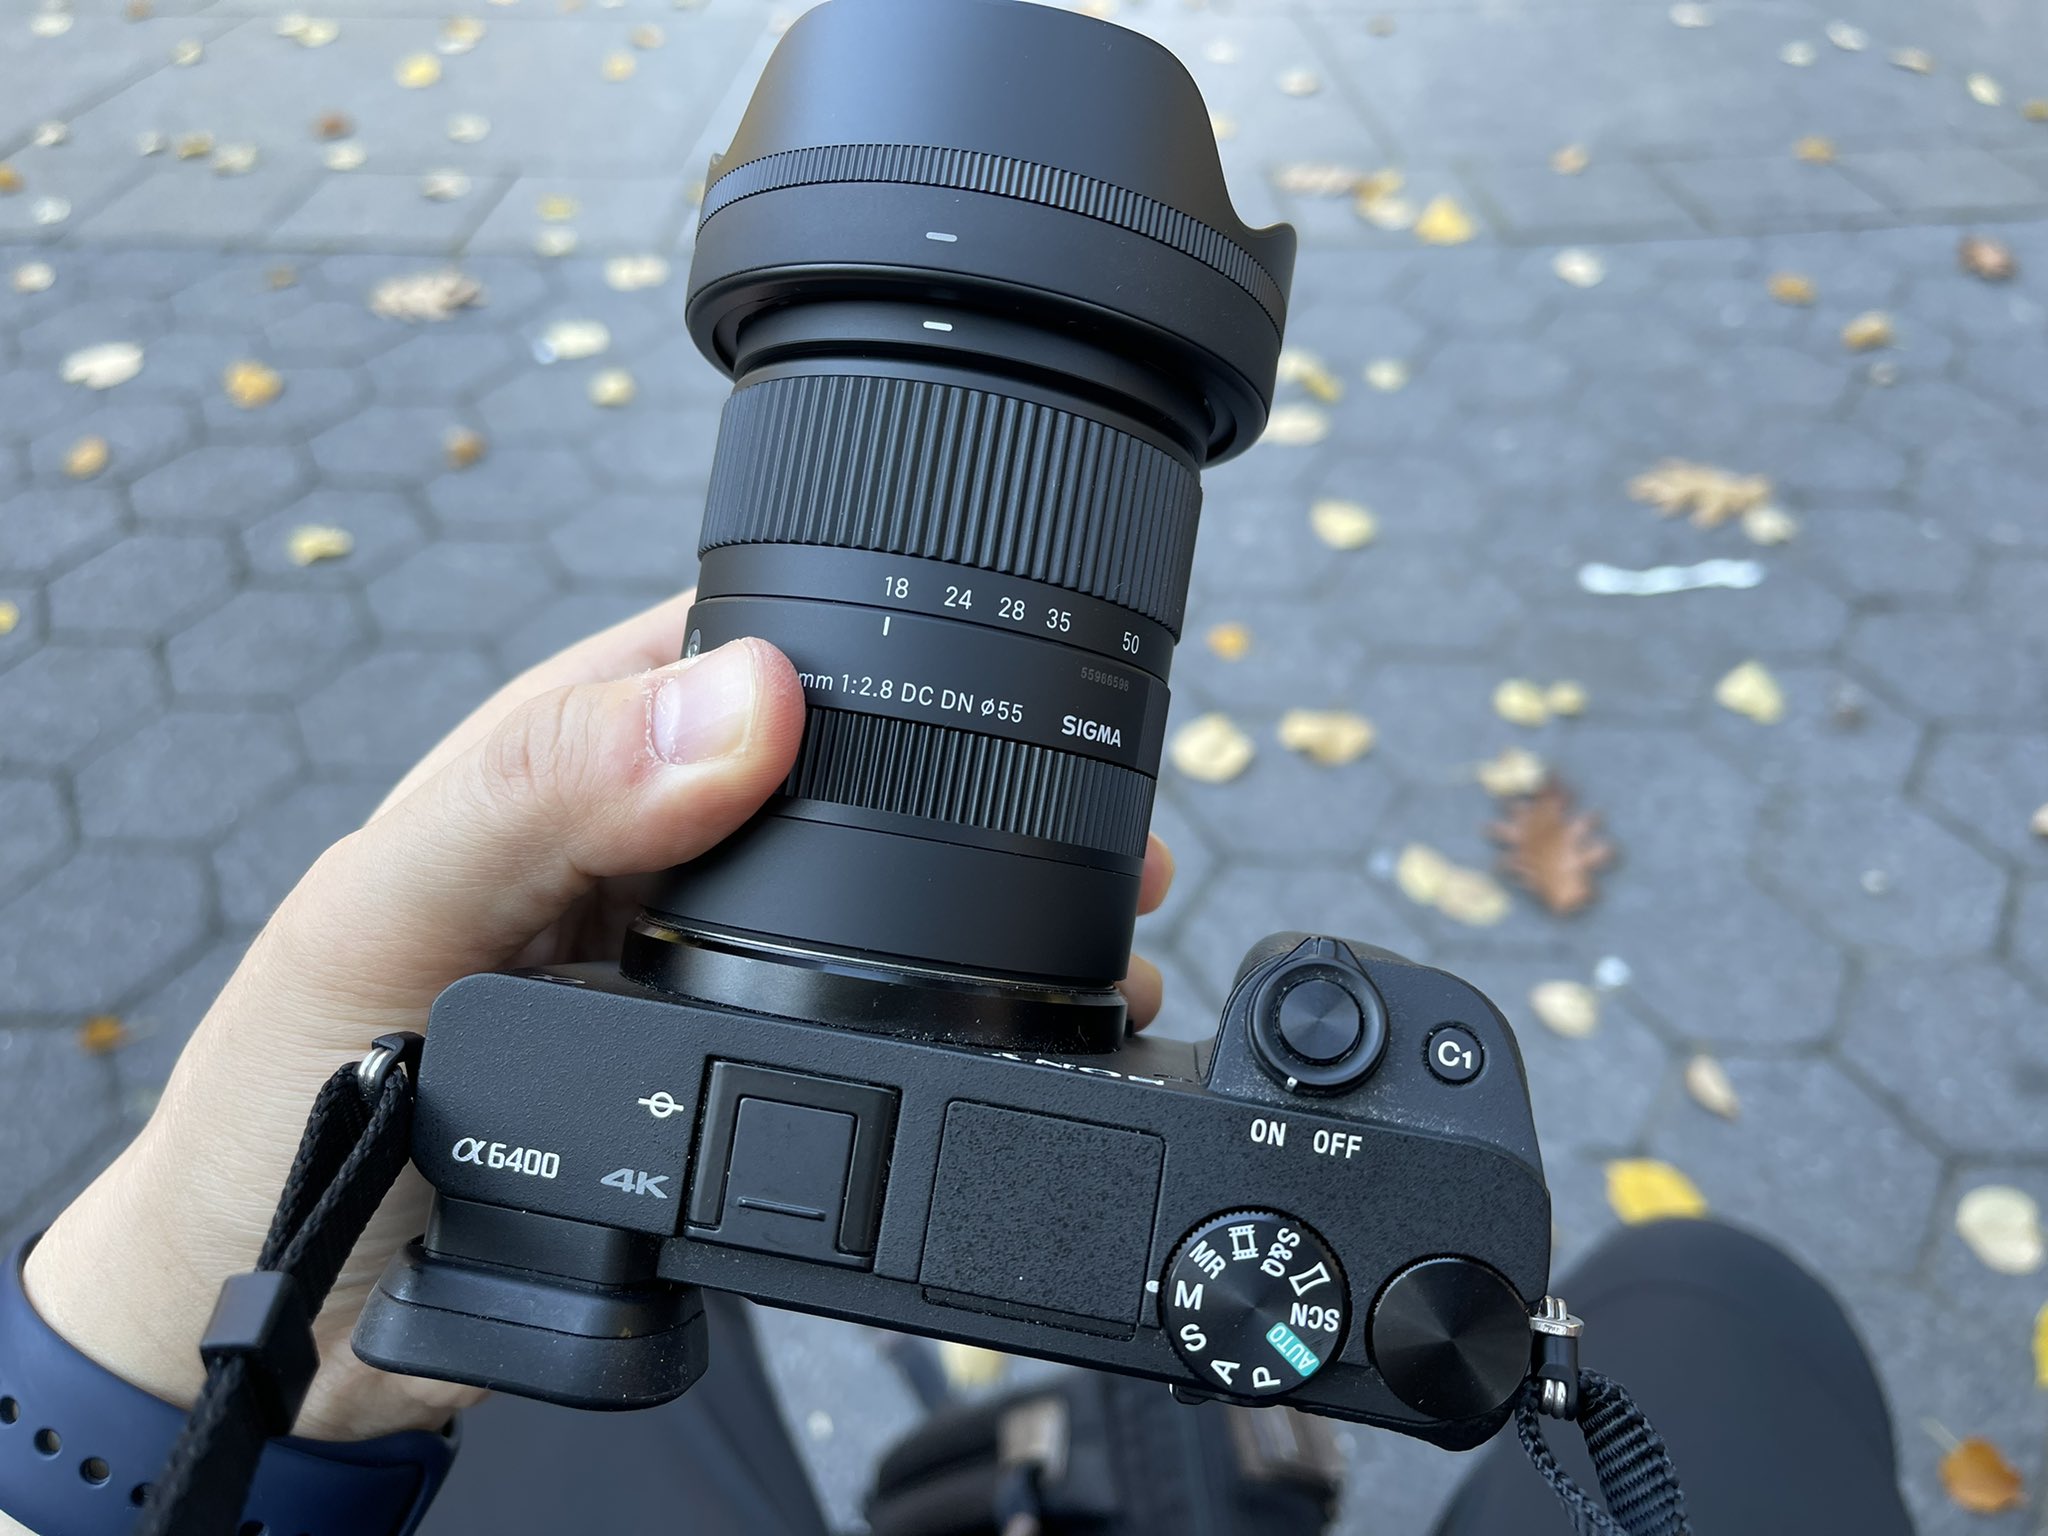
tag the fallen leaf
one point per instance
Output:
(554, 242)
(10, 616)
(102, 1034)
(103, 366)
(10, 180)
(1390, 213)
(1469, 896)
(49, 24)
(1711, 495)
(318, 33)
(345, 156)
(1566, 699)
(2041, 1348)
(1992, 260)
(1707, 1081)
(646, 36)
(1210, 749)
(1869, 330)
(1570, 160)
(969, 1366)
(2035, 110)
(630, 274)
(1568, 1008)
(1300, 82)
(1516, 771)
(1581, 268)
(1386, 374)
(1791, 288)
(192, 146)
(425, 296)
(1691, 16)
(1848, 38)
(459, 34)
(1520, 702)
(86, 457)
(1222, 50)
(1318, 178)
(251, 384)
(2039, 823)
(1642, 1189)
(1311, 373)
(1331, 737)
(1229, 642)
(1799, 55)
(2002, 1225)
(49, 210)
(1979, 1478)
(1918, 60)
(333, 125)
(557, 208)
(1222, 126)
(469, 127)
(1751, 690)
(444, 186)
(417, 71)
(1815, 149)
(1552, 849)
(619, 66)
(49, 135)
(150, 142)
(316, 542)
(1984, 90)
(34, 277)
(1343, 524)
(1444, 222)
(1769, 525)
(138, 10)
(1296, 426)
(612, 388)
(189, 51)
(463, 446)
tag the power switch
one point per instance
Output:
(791, 1164)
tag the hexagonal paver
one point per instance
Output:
(515, 487)
(61, 954)
(56, 1105)
(627, 537)
(161, 1020)
(388, 708)
(386, 445)
(462, 589)
(263, 857)
(1834, 732)
(1881, 873)
(221, 484)
(45, 528)
(186, 775)
(1951, 666)
(35, 826)
(1883, 552)
(146, 585)
(1992, 782)
(382, 526)
(66, 698)
(263, 642)
(2029, 930)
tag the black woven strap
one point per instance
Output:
(259, 1362)
(1629, 1458)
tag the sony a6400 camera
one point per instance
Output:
(988, 311)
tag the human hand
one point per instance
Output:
(515, 841)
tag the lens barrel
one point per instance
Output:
(988, 311)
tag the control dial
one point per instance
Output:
(1255, 1303)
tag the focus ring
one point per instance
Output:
(944, 472)
(1028, 181)
(908, 768)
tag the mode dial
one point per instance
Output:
(1255, 1303)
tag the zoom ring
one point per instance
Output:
(908, 768)
(943, 472)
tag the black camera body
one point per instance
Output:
(1338, 1201)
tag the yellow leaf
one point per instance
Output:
(1792, 288)
(612, 388)
(1311, 373)
(1568, 1008)
(1343, 524)
(1517, 771)
(1918, 60)
(101, 1033)
(630, 274)
(1331, 737)
(1707, 1081)
(1565, 699)
(1642, 1189)
(1769, 525)
(1980, 1479)
(417, 71)
(464, 446)
(1211, 749)
(1443, 222)
(2041, 1348)
(1713, 495)
(1520, 702)
(1751, 690)
(10, 180)
(1570, 160)
(1297, 426)
(1814, 149)
(1386, 374)
(1984, 90)
(251, 384)
(1868, 331)
(10, 616)
(318, 541)
(646, 36)
(2002, 1225)
(619, 66)
(2035, 110)
(1464, 895)
(87, 457)
(1229, 641)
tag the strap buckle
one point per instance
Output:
(398, 1050)
(1555, 1366)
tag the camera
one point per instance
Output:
(988, 311)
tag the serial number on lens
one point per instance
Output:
(945, 701)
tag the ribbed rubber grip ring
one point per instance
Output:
(944, 472)
(909, 768)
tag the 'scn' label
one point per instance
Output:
(1091, 730)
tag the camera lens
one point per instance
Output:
(988, 311)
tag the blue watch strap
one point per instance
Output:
(78, 1447)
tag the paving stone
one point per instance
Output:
(1289, 663)
(1285, 806)
(623, 537)
(313, 400)
(189, 204)
(90, 320)
(514, 488)
(260, 861)
(1950, 666)
(462, 589)
(1882, 875)
(1498, 372)
(1767, 192)
(2006, 369)
(383, 526)
(185, 776)
(1987, 482)
(1808, 1134)
(56, 1106)
(330, 331)
(146, 585)
(386, 445)
(162, 1019)
(435, 366)
(1962, 1046)
(1951, 179)
(388, 708)
(1884, 552)
(265, 643)
(1991, 782)
(60, 954)
(1608, 199)
(2029, 930)
(384, 213)
(646, 449)
(46, 529)
(68, 698)
(141, 435)
(1833, 733)
(35, 827)
(613, 216)
(221, 484)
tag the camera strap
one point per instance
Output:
(260, 1355)
(258, 1348)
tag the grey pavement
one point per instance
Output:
(1846, 908)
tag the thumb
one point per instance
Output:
(581, 783)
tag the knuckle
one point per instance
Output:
(538, 753)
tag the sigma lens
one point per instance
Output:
(988, 311)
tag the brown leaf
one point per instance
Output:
(1553, 850)
(463, 446)
(86, 457)
(10, 179)
(1713, 496)
(251, 384)
(1229, 641)
(101, 1034)
(1868, 331)
(1980, 1479)
(333, 125)
(1992, 260)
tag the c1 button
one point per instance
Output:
(1455, 1054)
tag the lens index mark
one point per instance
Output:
(937, 325)
(941, 236)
